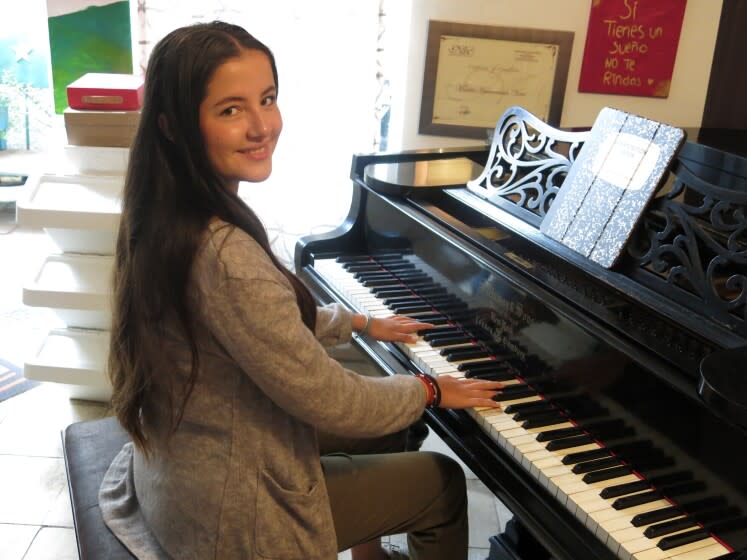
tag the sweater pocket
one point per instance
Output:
(291, 524)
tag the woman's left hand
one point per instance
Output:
(396, 328)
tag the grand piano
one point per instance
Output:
(623, 430)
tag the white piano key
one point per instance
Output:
(655, 553)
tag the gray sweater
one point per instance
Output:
(241, 477)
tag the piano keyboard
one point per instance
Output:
(625, 490)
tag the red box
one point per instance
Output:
(106, 92)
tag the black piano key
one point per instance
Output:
(580, 409)
(403, 290)
(430, 317)
(514, 395)
(389, 255)
(406, 299)
(606, 474)
(483, 364)
(379, 282)
(545, 420)
(579, 456)
(646, 463)
(368, 267)
(528, 407)
(403, 268)
(436, 320)
(567, 443)
(559, 433)
(464, 354)
(365, 276)
(632, 449)
(607, 430)
(624, 489)
(636, 499)
(468, 345)
(452, 309)
(738, 523)
(438, 342)
(654, 462)
(697, 506)
(683, 538)
(668, 527)
(542, 410)
(517, 387)
(718, 514)
(462, 320)
(438, 301)
(495, 373)
(598, 464)
(641, 485)
(396, 305)
(451, 306)
(365, 271)
(585, 414)
(663, 480)
(437, 329)
(497, 368)
(408, 309)
(353, 258)
(497, 355)
(490, 375)
(445, 331)
(675, 490)
(396, 283)
(393, 292)
(409, 276)
(674, 511)
(431, 335)
(641, 519)
(433, 290)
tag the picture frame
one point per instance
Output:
(473, 73)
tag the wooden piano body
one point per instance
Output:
(614, 353)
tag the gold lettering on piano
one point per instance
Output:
(504, 320)
(518, 260)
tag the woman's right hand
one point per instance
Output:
(460, 392)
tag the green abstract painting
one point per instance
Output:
(87, 36)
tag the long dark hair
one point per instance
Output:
(171, 192)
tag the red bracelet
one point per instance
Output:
(433, 392)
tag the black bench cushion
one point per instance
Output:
(89, 447)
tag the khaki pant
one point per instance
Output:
(377, 489)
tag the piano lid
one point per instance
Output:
(723, 384)
(403, 177)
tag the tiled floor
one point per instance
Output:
(35, 516)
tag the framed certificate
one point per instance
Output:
(473, 73)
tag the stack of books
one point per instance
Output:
(104, 109)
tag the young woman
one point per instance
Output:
(217, 359)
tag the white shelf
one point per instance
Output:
(80, 213)
(95, 160)
(74, 195)
(76, 287)
(75, 358)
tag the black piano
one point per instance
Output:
(623, 431)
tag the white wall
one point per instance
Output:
(683, 107)
(326, 56)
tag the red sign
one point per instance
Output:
(631, 46)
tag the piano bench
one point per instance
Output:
(88, 448)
